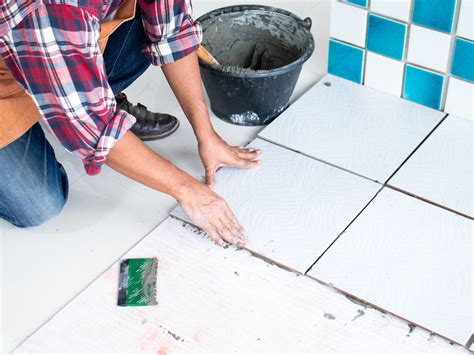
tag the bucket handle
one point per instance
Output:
(307, 23)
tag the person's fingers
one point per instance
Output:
(249, 154)
(246, 164)
(213, 234)
(234, 225)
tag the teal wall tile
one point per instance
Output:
(345, 61)
(362, 3)
(435, 14)
(423, 87)
(463, 60)
(386, 37)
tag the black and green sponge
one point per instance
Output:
(137, 283)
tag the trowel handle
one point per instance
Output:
(206, 57)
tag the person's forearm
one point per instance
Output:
(132, 158)
(185, 80)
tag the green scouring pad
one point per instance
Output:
(137, 283)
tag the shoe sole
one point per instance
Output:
(162, 135)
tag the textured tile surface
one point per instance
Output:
(466, 20)
(423, 87)
(292, 207)
(460, 98)
(410, 258)
(348, 23)
(429, 48)
(386, 37)
(435, 14)
(398, 9)
(463, 61)
(354, 127)
(441, 170)
(384, 74)
(346, 61)
(215, 300)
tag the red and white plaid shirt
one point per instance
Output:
(51, 48)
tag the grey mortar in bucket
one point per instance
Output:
(261, 51)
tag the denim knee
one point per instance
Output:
(48, 206)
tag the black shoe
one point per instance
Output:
(149, 126)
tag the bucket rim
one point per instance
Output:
(260, 74)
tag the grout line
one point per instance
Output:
(320, 160)
(411, 194)
(344, 230)
(416, 148)
(452, 48)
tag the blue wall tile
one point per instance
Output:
(345, 61)
(357, 2)
(435, 14)
(423, 87)
(463, 61)
(386, 37)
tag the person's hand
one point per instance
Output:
(211, 213)
(215, 153)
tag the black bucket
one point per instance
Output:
(261, 51)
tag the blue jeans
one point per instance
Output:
(33, 184)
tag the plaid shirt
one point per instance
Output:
(51, 48)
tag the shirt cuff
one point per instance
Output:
(177, 46)
(117, 127)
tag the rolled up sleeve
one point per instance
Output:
(170, 29)
(55, 56)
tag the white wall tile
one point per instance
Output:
(466, 20)
(429, 48)
(348, 23)
(384, 74)
(460, 98)
(398, 9)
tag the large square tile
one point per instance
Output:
(346, 61)
(460, 98)
(398, 9)
(423, 87)
(463, 60)
(435, 14)
(216, 300)
(353, 127)
(362, 3)
(410, 258)
(429, 48)
(348, 23)
(466, 20)
(441, 170)
(292, 207)
(384, 74)
(386, 37)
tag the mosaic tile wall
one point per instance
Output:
(421, 50)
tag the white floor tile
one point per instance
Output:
(466, 20)
(410, 258)
(348, 23)
(354, 127)
(292, 207)
(397, 9)
(429, 48)
(384, 74)
(460, 98)
(219, 300)
(441, 170)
